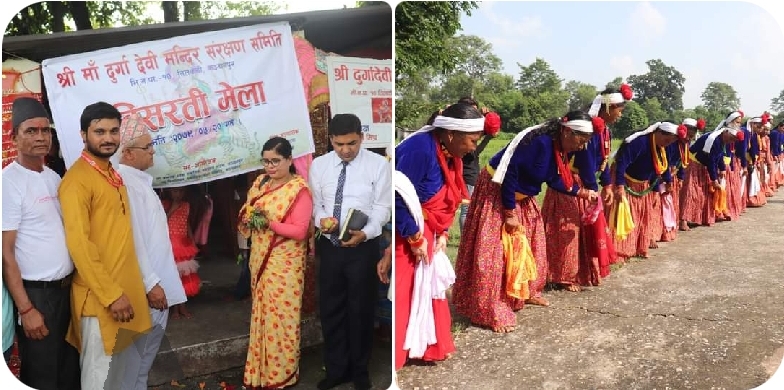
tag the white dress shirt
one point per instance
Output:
(368, 188)
(151, 235)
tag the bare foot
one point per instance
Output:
(653, 245)
(685, 226)
(184, 311)
(571, 287)
(175, 314)
(538, 301)
(504, 329)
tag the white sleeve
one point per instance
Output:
(12, 204)
(142, 229)
(314, 181)
(382, 202)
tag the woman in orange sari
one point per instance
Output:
(276, 217)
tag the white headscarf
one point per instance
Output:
(721, 128)
(731, 117)
(579, 125)
(690, 122)
(456, 124)
(667, 127)
(756, 119)
(715, 134)
(610, 98)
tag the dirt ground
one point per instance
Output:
(703, 312)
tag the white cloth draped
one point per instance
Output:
(430, 280)
(755, 185)
(648, 130)
(151, 235)
(503, 165)
(715, 134)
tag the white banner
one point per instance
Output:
(363, 87)
(210, 100)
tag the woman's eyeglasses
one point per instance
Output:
(271, 162)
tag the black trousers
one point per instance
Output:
(50, 363)
(348, 289)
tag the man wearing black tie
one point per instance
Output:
(345, 178)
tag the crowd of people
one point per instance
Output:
(95, 262)
(667, 178)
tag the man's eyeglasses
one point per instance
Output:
(145, 147)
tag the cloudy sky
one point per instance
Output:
(738, 43)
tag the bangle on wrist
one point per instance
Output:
(416, 241)
(23, 312)
(414, 238)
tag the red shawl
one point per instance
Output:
(440, 209)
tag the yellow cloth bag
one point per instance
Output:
(621, 221)
(520, 262)
(720, 200)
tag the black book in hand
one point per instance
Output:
(355, 220)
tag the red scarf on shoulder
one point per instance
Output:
(440, 209)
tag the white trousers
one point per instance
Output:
(139, 357)
(95, 363)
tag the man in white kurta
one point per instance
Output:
(153, 249)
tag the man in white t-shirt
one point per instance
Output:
(153, 249)
(37, 268)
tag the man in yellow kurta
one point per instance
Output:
(108, 300)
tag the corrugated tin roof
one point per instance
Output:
(337, 31)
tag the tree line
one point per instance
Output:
(57, 16)
(435, 67)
